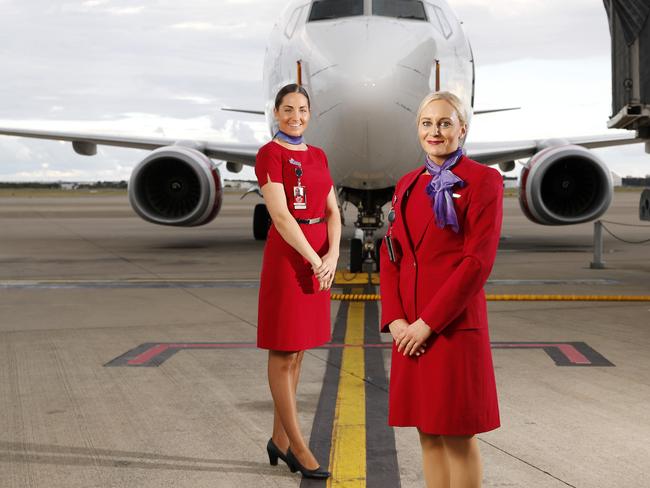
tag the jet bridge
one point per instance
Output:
(630, 31)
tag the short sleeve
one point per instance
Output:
(327, 167)
(327, 164)
(268, 162)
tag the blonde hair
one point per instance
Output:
(458, 105)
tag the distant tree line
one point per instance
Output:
(50, 186)
(60, 184)
(104, 184)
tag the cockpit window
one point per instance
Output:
(334, 9)
(444, 23)
(293, 22)
(402, 9)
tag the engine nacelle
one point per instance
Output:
(176, 185)
(562, 185)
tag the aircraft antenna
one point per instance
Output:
(299, 70)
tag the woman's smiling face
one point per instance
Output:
(293, 114)
(440, 130)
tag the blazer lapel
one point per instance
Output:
(408, 185)
(430, 221)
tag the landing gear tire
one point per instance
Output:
(356, 255)
(261, 222)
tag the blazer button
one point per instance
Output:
(414, 264)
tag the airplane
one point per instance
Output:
(366, 64)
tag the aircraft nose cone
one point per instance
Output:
(365, 95)
(360, 56)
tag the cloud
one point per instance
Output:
(44, 175)
(209, 26)
(196, 99)
(97, 7)
(94, 3)
(125, 10)
(502, 31)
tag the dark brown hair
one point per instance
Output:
(291, 88)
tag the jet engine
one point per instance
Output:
(565, 184)
(176, 185)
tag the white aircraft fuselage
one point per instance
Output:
(364, 100)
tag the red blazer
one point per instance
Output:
(440, 278)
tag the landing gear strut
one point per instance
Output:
(364, 249)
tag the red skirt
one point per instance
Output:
(450, 389)
(293, 315)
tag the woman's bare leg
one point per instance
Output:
(434, 461)
(280, 438)
(283, 370)
(464, 461)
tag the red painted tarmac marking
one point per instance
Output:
(148, 355)
(212, 345)
(154, 351)
(248, 345)
(575, 356)
(564, 354)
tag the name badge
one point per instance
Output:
(299, 197)
(299, 191)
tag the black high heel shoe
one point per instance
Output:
(275, 453)
(294, 465)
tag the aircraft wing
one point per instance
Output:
(485, 152)
(500, 152)
(86, 144)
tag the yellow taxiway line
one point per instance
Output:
(349, 278)
(364, 297)
(348, 451)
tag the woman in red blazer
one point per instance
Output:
(439, 249)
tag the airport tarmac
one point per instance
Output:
(127, 357)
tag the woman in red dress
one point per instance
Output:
(300, 257)
(439, 249)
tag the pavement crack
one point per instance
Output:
(334, 364)
(537, 468)
(105, 249)
(217, 307)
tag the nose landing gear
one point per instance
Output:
(364, 248)
(364, 251)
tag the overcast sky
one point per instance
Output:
(166, 67)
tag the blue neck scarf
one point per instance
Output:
(287, 138)
(440, 189)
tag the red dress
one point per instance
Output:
(293, 314)
(438, 276)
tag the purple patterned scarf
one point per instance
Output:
(440, 189)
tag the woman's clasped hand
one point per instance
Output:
(410, 339)
(326, 270)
